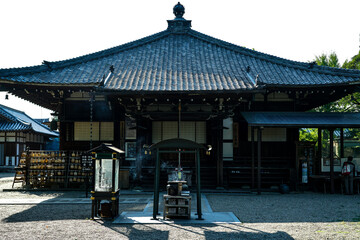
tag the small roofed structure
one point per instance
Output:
(329, 120)
(178, 146)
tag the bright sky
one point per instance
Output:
(37, 30)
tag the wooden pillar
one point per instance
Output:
(259, 135)
(319, 151)
(332, 187)
(198, 186)
(219, 161)
(156, 185)
(139, 150)
(342, 142)
(252, 158)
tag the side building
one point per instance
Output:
(19, 131)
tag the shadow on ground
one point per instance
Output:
(195, 231)
(54, 212)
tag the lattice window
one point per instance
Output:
(106, 131)
(101, 131)
(194, 131)
(270, 134)
(82, 131)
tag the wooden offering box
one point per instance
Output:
(178, 205)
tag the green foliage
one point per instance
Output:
(349, 103)
(329, 61)
(308, 134)
(354, 63)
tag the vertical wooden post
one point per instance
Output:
(198, 184)
(342, 142)
(332, 186)
(92, 98)
(157, 180)
(139, 150)
(220, 163)
(252, 158)
(259, 135)
(319, 151)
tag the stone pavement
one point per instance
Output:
(209, 217)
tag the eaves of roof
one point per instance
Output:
(302, 119)
(14, 127)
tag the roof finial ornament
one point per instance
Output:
(179, 24)
(179, 10)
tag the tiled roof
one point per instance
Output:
(12, 120)
(180, 61)
(303, 119)
(13, 126)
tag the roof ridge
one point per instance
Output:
(10, 117)
(7, 115)
(36, 122)
(48, 66)
(4, 106)
(308, 66)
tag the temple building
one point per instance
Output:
(180, 83)
(18, 131)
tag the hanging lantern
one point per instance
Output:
(106, 179)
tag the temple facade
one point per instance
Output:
(245, 105)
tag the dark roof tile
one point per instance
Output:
(190, 61)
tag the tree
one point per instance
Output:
(354, 63)
(329, 61)
(349, 103)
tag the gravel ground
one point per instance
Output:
(268, 216)
(6, 183)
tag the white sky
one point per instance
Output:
(52, 30)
